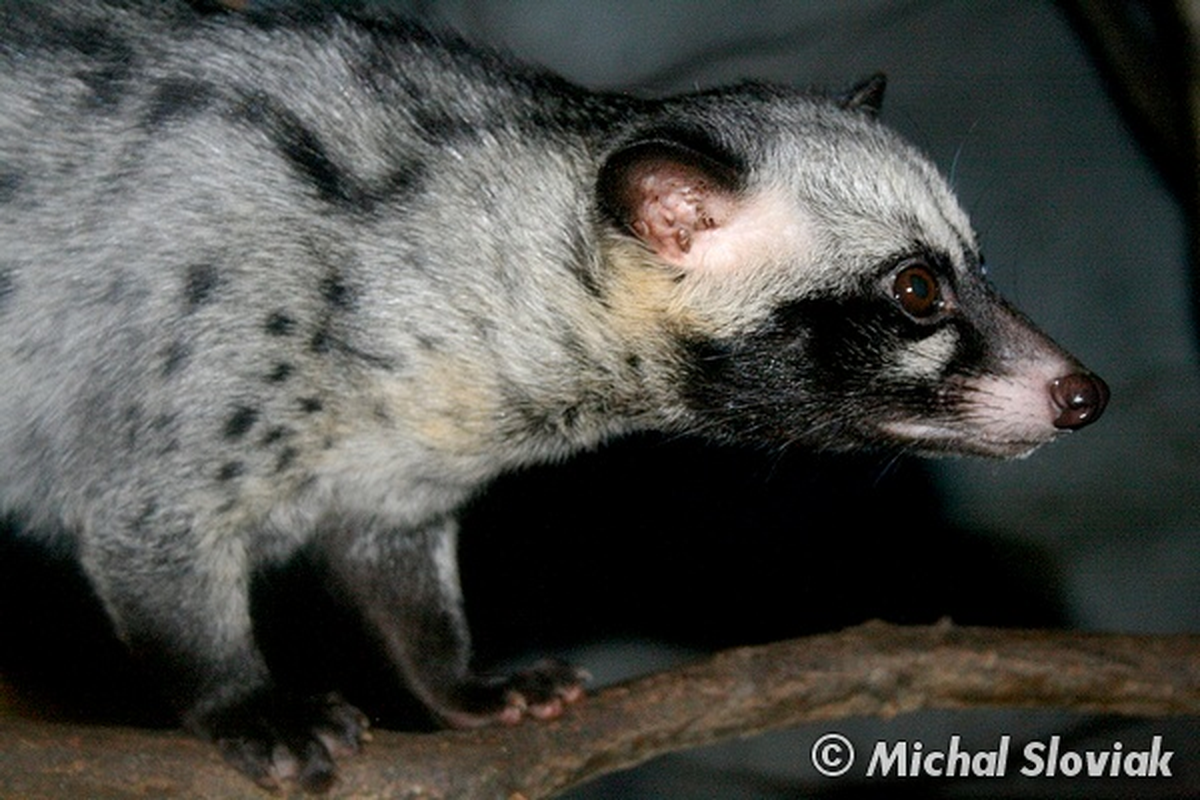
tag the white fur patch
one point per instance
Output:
(764, 229)
(445, 559)
(738, 271)
(1007, 415)
(926, 358)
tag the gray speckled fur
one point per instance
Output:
(270, 282)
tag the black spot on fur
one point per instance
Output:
(175, 358)
(231, 470)
(110, 63)
(240, 422)
(324, 342)
(275, 434)
(402, 181)
(280, 372)
(430, 344)
(302, 147)
(202, 281)
(287, 456)
(8, 286)
(335, 291)
(310, 405)
(280, 324)
(573, 346)
(305, 151)
(177, 98)
(321, 341)
(439, 128)
(10, 183)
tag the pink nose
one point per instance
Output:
(1080, 399)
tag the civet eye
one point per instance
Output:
(916, 290)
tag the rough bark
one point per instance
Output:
(875, 669)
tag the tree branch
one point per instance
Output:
(875, 669)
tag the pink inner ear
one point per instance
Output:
(672, 207)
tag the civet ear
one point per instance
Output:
(866, 96)
(668, 194)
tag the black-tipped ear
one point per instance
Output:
(866, 96)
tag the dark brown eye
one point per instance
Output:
(916, 290)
